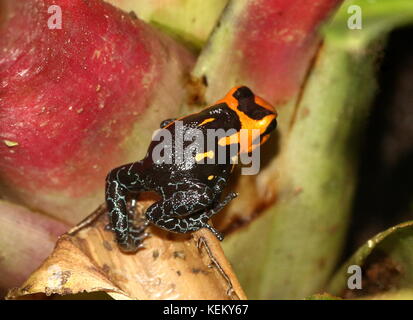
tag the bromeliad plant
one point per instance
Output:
(78, 101)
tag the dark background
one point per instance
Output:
(384, 195)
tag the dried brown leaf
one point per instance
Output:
(170, 267)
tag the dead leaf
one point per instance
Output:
(170, 267)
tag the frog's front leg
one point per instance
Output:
(120, 182)
(187, 210)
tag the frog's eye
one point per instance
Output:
(247, 104)
(253, 110)
(243, 93)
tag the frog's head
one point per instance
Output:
(256, 115)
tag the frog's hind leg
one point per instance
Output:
(187, 209)
(206, 215)
(120, 182)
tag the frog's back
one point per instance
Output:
(189, 146)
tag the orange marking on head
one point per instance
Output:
(261, 102)
(248, 123)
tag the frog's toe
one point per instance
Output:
(139, 237)
(216, 233)
(233, 195)
(138, 233)
(135, 238)
(138, 228)
(134, 242)
(131, 247)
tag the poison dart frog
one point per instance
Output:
(190, 190)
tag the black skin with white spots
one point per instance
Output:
(191, 192)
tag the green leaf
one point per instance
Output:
(291, 248)
(322, 296)
(386, 261)
(189, 20)
(295, 243)
(378, 17)
(404, 294)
